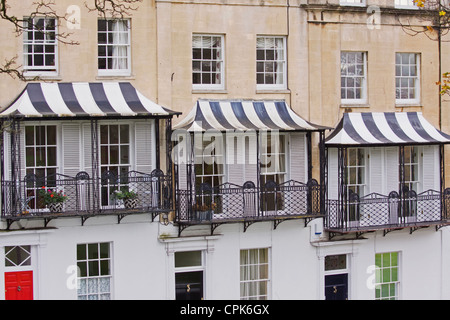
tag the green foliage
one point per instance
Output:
(50, 196)
(125, 194)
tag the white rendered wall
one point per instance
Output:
(143, 258)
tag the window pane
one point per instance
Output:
(188, 259)
(93, 251)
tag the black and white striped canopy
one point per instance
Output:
(82, 99)
(243, 115)
(389, 128)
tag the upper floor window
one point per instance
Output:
(114, 47)
(207, 62)
(407, 78)
(353, 77)
(271, 62)
(114, 158)
(409, 4)
(353, 2)
(40, 46)
(209, 163)
(411, 169)
(356, 168)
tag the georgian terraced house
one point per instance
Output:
(225, 150)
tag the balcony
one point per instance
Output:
(84, 196)
(230, 203)
(379, 212)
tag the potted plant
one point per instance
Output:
(204, 212)
(130, 198)
(53, 199)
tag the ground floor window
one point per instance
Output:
(254, 279)
(94, 263)
(387, 276)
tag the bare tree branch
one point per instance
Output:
(114, 9)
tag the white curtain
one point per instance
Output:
(120, 42)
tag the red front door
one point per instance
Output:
(19, 285)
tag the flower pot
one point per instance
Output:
(204, 215)
(55, 207)
(131, 203)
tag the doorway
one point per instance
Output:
(336, 277)
(189, 285)
(336, 287)
(19, 285)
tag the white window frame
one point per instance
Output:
(363, 77)
(405, 4)
(379, 275)
(87, 277)
(356, 3)
(211, 152)
(244, 267)
(129, 165)
(416, 78)
(34, 191)
(276, 62)
(220, 60)
(115, 71)
(33, 70)
(413, 166)
(276, 152)
(362, 185)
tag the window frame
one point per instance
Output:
(362, 186)
(119, 165)
(412, 167)
(363, 99)
(398, 4)
(416, 99)
(281, 150)
(111, 71)
(379, 274)
(355, 3)
(245, 268)
(32, 71)
(50, 170)
(98, 260)
(220, 60)
(283, 60)
(200, 159)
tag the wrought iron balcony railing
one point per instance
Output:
(375, 211)
(233, 203)
(134, 192)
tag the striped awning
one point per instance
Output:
(82, 99)
(390, 128)
(243, 115)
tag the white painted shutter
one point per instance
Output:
(235, 157)
(22, 153)
(7, 154)
(144, 147)
(430, 165)
(251, 159)
(333, 185)
(391, 169)
(181, 155)
(375, 183)
(87, 148)
(71, 148)
(298, 157)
